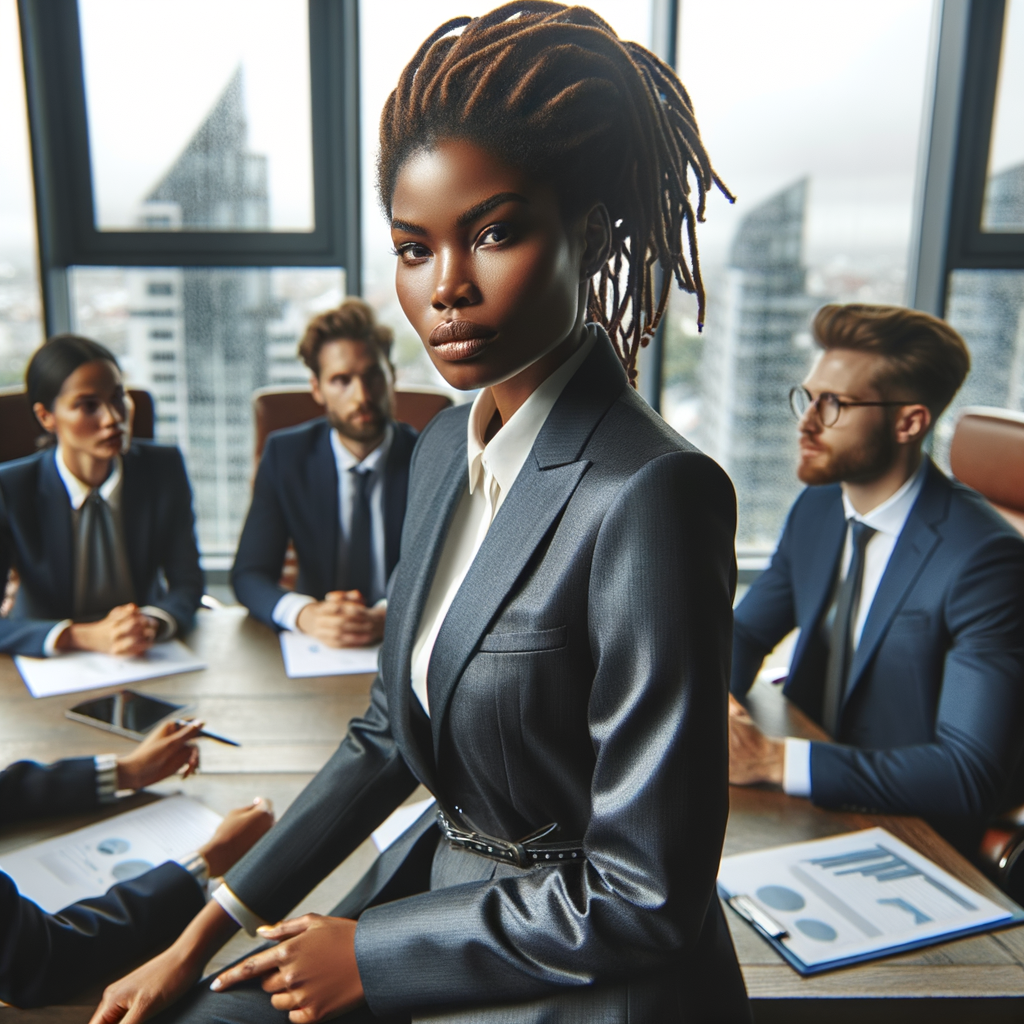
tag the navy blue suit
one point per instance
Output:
(46, 957)
(36, 539)
(933, 718)
(295, 497)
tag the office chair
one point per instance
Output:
(987, 454)
(19, 431)
(277, 408)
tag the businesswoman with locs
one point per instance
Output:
(100, 528)
(555, 663)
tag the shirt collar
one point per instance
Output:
(506, 452)
(891, 516)
(374, 461)
(77, 489)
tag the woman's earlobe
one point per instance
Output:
(598, 237)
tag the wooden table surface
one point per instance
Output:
(289, 727)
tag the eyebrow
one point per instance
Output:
(491, 203)
(470, 215)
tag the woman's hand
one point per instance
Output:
(167, 977)
(236, 835)
(148, 989)
(311, 972)
(125, 630)
(163, 752)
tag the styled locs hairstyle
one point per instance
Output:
(553, 91)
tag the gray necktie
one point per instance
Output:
(840, 654)
(102, 580)
(358, 573)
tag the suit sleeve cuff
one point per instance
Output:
(50, 643)
(237, 910)
(168, 626)
(286, 611)
(106, 778)
(796, 772)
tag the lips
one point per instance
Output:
(455, 340)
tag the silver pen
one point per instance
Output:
(750, 911)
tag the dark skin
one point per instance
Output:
(478, 241)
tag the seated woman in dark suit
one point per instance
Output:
(556, 655)
(99, 528)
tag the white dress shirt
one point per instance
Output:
(286, 611)
(110, 492)
(493, 468)
(888, 520)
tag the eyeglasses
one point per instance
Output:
(826, 405)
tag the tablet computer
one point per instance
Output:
(126, 713)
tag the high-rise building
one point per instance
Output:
(757, 347)
(987, 308)
(198, 337)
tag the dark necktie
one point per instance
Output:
(102, 580)
(359, 570)
(840, 654)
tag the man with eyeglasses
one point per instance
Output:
(907, 588)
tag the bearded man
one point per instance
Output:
(335, 487)
(907, 588)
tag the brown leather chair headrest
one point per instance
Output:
(987, 454)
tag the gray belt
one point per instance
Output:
(530, 850)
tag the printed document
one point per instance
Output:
(87, 670)
(306, 656)
(397, 822)
(87, 862)
(855, 895)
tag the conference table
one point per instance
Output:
(289, 727)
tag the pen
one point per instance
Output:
(747, 908)
(207, 735)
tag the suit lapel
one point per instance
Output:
(534, 503)
(55, 513)
(325, 517)
(396, 487)
(544, 486)
(821, 570)
(914, 546)
(426, 527)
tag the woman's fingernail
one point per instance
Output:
(264, 929)
(215, 985)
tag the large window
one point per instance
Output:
(812, 114)
(21, 327)
(198, 162)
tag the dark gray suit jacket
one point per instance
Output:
(580, 677)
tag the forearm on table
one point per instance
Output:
(928, 780)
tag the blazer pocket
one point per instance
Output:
(911, 622)
(522, 643)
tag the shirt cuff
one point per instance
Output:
(237, 910)
(50, 643)
(796, 771)
(195, 864)
(106, 778)
(382, 604)
(286, 611)
(168, 626)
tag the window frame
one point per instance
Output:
(62, 171)
(954, 168)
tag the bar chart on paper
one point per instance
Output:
(836, 901)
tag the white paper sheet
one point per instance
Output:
(86, 670)
(856, 894)
(397, 822)
(305, 656)
(87, 862)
